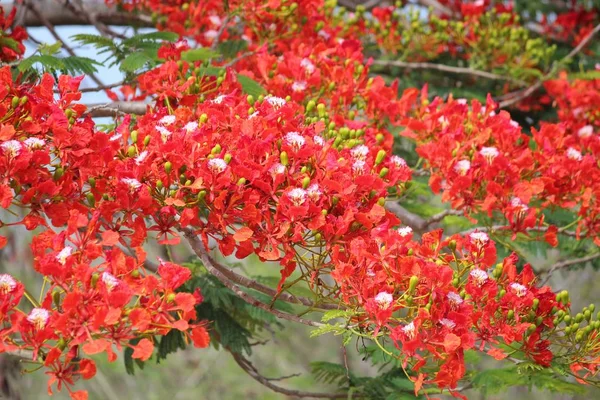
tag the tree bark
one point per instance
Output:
(59, 14)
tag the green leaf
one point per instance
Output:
(170, 343)
(134, 41)
(322, 330)
(49, 49)
(75, 65)
(135, 61)
(231, 48)
(201, 54)
(250, 86)
(332, 314)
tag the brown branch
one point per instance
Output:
(31, 5)
(222, 28)
(567, 263)
(416, 222)
(117, 108)
(92, 17)
(58, 15)
(252, 284)
(200, 251)
(251, 370)
(495, 228)
(515, 97)
(447, 68)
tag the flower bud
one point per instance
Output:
(56, 298)
(171, 298)
(381, 201)
(241, 182)
(310, 105)
(91, 199)
(216, 149)
(134, 136)
(15, 102)
(131, 151)
(23, 100)
(414, 281)
(201, 195)
(147, 140)
(250, 99)
(305, 182)
(92, 182)
(510, 315)
(135, 273)
(58, 173)
(227, 158)
(283, 158)
(535, 305)
(384, 171)
(168, 167)
(94, 279)
(203, 118)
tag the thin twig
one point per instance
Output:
(222, 28)
(448, 68)
(33, 7)
(523, 94)
(251, 370)
(567, 263)
(200, 251)
(117, 108)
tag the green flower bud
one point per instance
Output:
(56, 298)
(147, 140)
(305, 182)
(91, 199)
(216, 149)
(15, 102)
(414, 281)
(134, 136)
(203, 118)
(227, 158)
(58, 173)
(94, 279)
(131, 151)
(168, 167)
(283, 157)
(241, 182)
(92, 182)
(535, 305)
(384, 171)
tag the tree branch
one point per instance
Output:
(515, 97)
(61, 15)
(447, 68)
(117, 108)
(567, 263)
(251, 370)
(252, 284)
(200, 251)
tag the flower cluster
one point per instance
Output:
(11, 43)
(299, 175)
(97, 296)
(484, 163)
